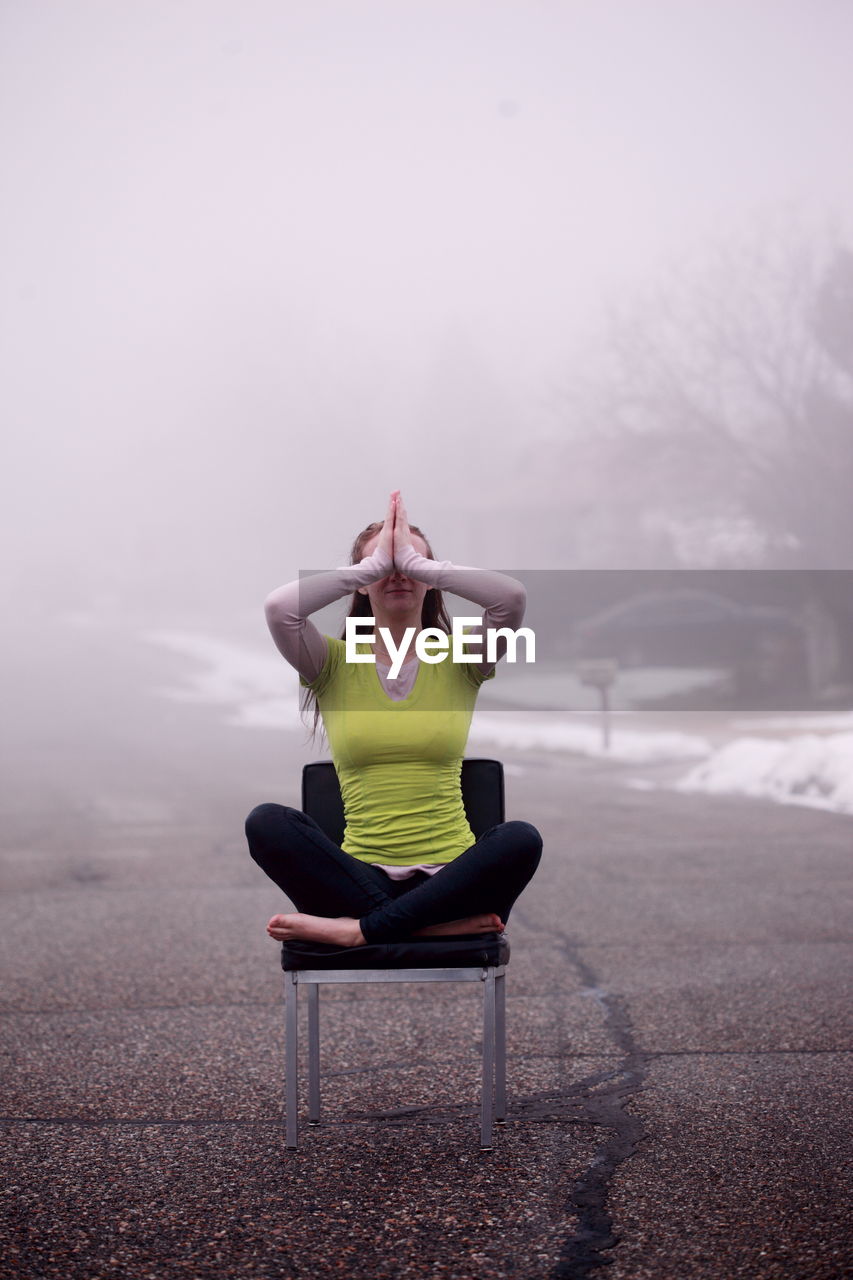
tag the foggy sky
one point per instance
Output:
(264, 261)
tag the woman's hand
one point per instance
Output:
(402, 532)
(386, 534)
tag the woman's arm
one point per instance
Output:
(288, 608)
(504, 598)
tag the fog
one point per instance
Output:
(265, 262)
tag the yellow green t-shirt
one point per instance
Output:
(399, 763)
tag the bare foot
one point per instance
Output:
(490, 923)
(340, 931)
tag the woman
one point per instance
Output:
(408, 864)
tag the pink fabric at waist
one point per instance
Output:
(403, 873)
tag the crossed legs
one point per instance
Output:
(347, 902)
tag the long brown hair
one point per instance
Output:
(433, 614)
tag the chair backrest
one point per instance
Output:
(482, 795)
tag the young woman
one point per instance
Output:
(408, 864)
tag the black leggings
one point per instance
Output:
(321, 879)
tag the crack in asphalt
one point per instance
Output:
(599, 1100)
(604, 1108)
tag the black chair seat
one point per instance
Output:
(468, 951)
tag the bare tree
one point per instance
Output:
(716, 425)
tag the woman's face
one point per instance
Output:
(396, 595)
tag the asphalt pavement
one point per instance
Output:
(678, 1024)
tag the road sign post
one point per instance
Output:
(600, 674)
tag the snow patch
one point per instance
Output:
(236, 676)
(522, 732)
(809, 770)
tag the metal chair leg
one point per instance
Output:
(313, 1053)
(500, 1049)
(291, 1061)
(487, 1095)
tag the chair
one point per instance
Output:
(482, 958)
